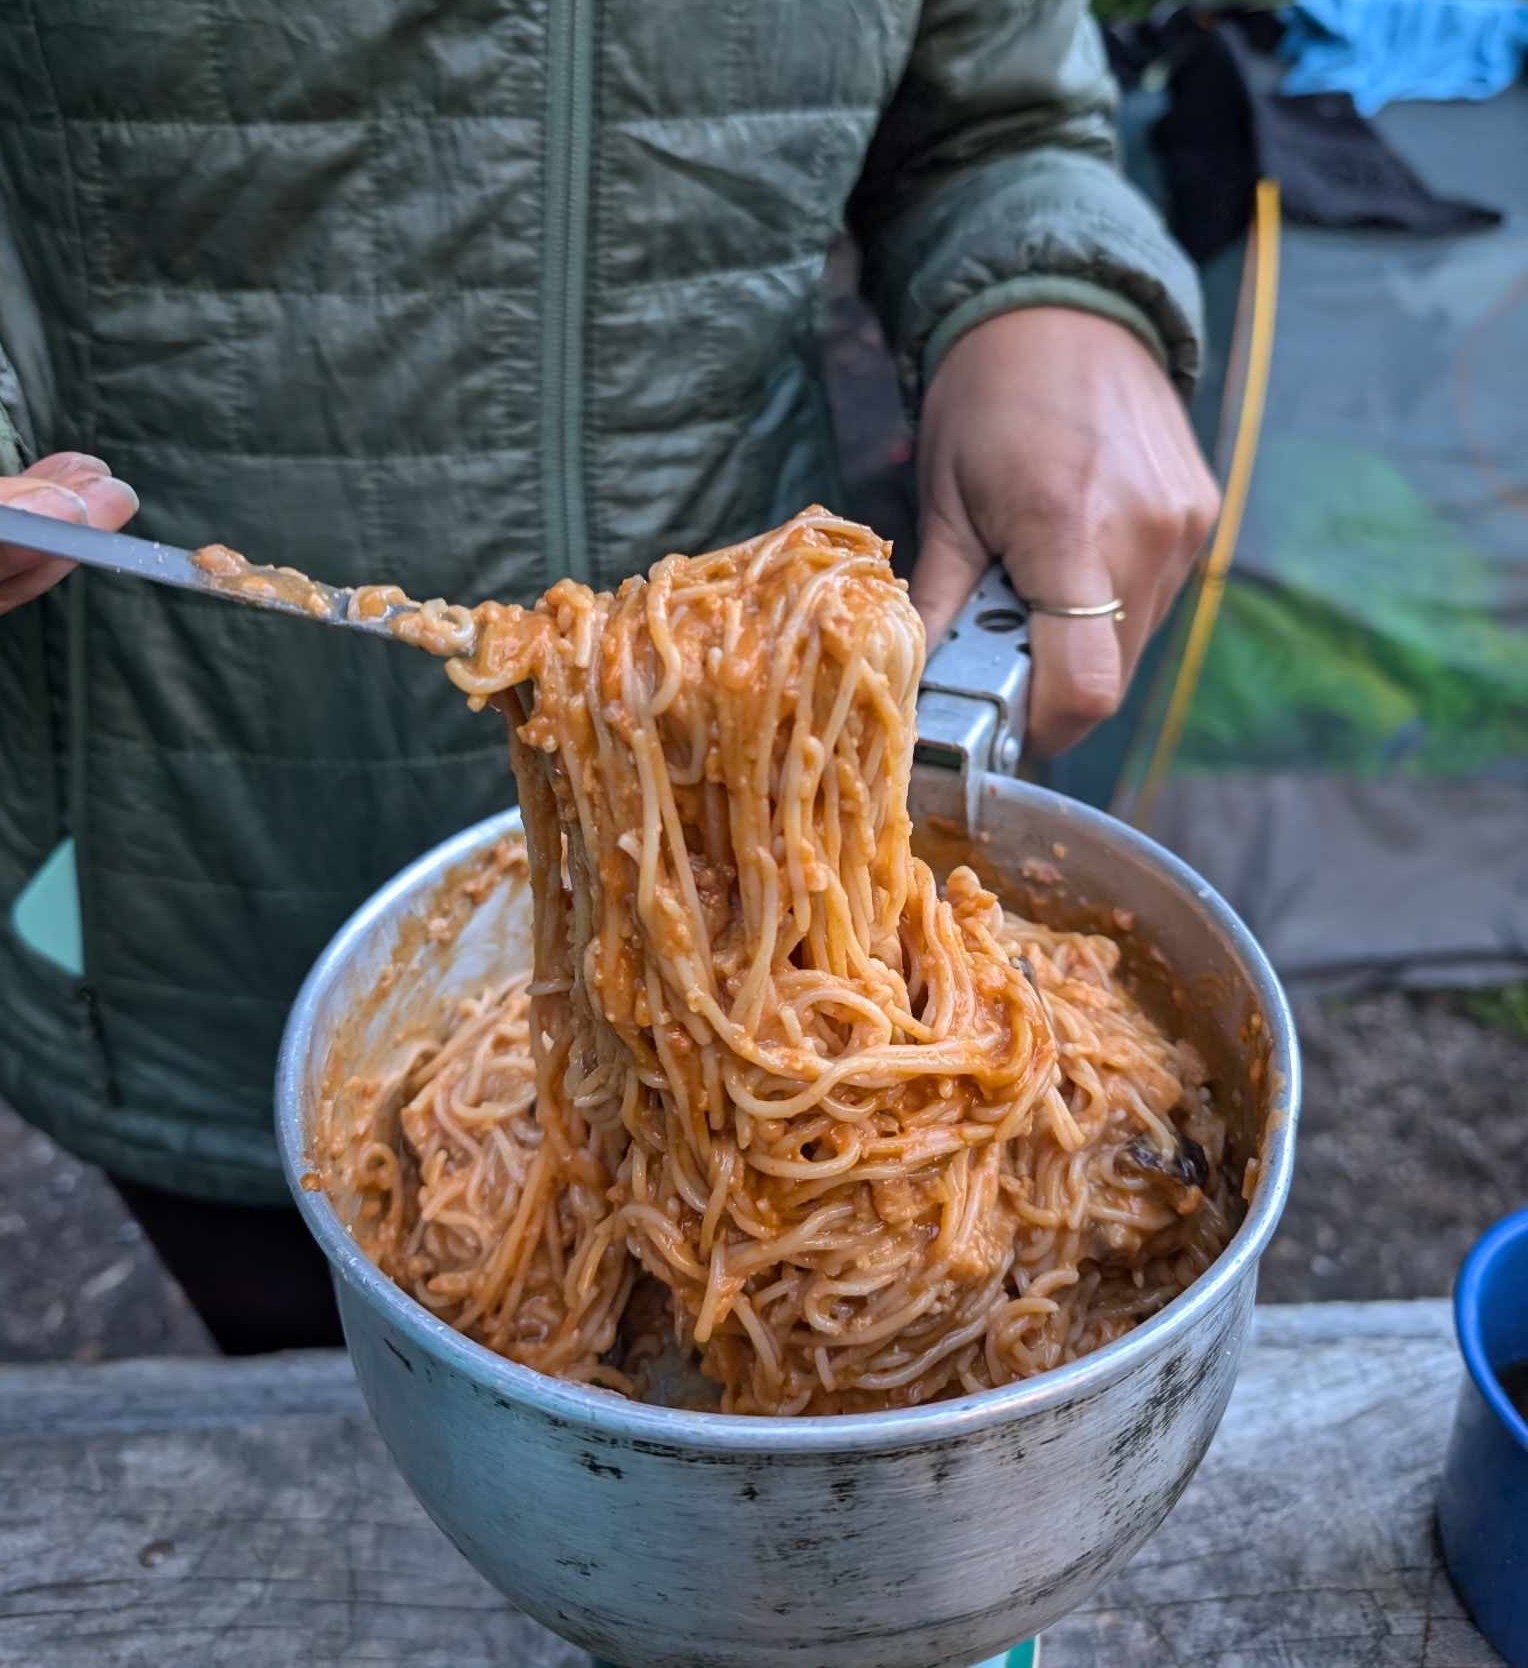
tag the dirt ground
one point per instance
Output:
(77, 1279)
(1412, 1141)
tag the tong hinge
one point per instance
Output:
(971, 705)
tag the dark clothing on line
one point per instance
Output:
(1227, 126)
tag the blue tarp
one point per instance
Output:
(1383, 50)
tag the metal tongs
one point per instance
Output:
(970, 704)
(379, 610)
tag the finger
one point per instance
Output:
(1133, 632)
(24, 574)
(59, 466)
(31, 581)
(1077, 681)
(44, 498)
(1165, 597)
(1078, 665)
(1192, 533)
(109, 503)
(950, 562)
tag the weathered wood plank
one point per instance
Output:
(212, 1513)
(1307, 1535)
(217, 1513)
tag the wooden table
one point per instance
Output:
(215, 1513)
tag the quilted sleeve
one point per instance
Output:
(992, 183)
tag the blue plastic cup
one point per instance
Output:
(1483, 1502)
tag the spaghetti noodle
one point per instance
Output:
(852, 1142)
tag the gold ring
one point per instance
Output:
(1113, 609)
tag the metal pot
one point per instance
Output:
(908, 1539)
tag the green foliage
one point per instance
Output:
(1369, 641)
(1503, 1009)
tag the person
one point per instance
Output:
(469, 298)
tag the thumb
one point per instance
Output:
(951, 559)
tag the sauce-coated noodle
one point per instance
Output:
(874, 1143)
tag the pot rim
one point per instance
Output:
(611, 1417)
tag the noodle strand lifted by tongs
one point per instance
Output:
(875, 1143)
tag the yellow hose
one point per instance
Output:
(1265, 288)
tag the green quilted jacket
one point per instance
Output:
(466, 294)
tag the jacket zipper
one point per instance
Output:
(569, 140)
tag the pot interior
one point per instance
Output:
(460, 921)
